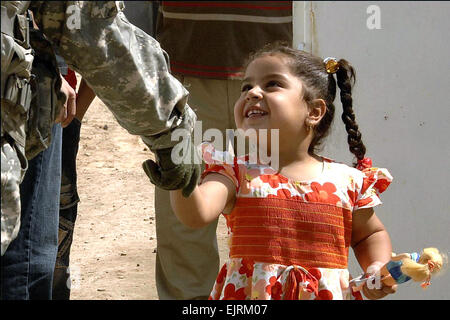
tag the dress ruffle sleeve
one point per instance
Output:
(221, 162)
(375, 181)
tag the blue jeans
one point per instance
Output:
(27, 266)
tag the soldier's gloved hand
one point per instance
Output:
(170, 176)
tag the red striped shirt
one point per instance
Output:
(209, 39)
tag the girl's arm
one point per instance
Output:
(370, 240)
(207, 201)
(371, 245)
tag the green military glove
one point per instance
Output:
(170, 176)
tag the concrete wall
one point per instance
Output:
(401, 102)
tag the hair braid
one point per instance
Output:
(345, 80)
(319, 84)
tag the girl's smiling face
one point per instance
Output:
(271, 98)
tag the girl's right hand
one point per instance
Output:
(208, 200)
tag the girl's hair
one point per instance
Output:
(420, 271)
(319, 84)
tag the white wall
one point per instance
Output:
(401, 102)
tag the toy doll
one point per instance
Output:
(406, 266)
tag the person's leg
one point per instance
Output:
(61, 276)
(187, 260)
(14, 165)
(68, 210)
(28, 264)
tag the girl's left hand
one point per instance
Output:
(378, 289)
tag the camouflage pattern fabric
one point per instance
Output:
(17, 59)
(169, 176)
(11, 178)
(48, 99)
(128, 71)
(126, 68)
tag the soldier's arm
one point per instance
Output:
(126, 68)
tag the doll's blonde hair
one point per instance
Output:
(420, 271)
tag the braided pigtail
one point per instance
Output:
(345, 80)
(318, 82)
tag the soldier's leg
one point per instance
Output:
(28, 264)
(10, 192)
(187, 260)
(11, 177)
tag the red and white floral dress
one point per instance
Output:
(290, 239)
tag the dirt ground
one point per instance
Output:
(114, 245)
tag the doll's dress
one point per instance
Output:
(290, 239)
(394, 268)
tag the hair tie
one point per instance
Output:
(331, 64)
(364, 163)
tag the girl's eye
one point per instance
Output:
(273, 84)
(246, 87)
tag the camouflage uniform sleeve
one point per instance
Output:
(126, 68)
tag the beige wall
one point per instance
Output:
(401, 101)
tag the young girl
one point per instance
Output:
(290, 229)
